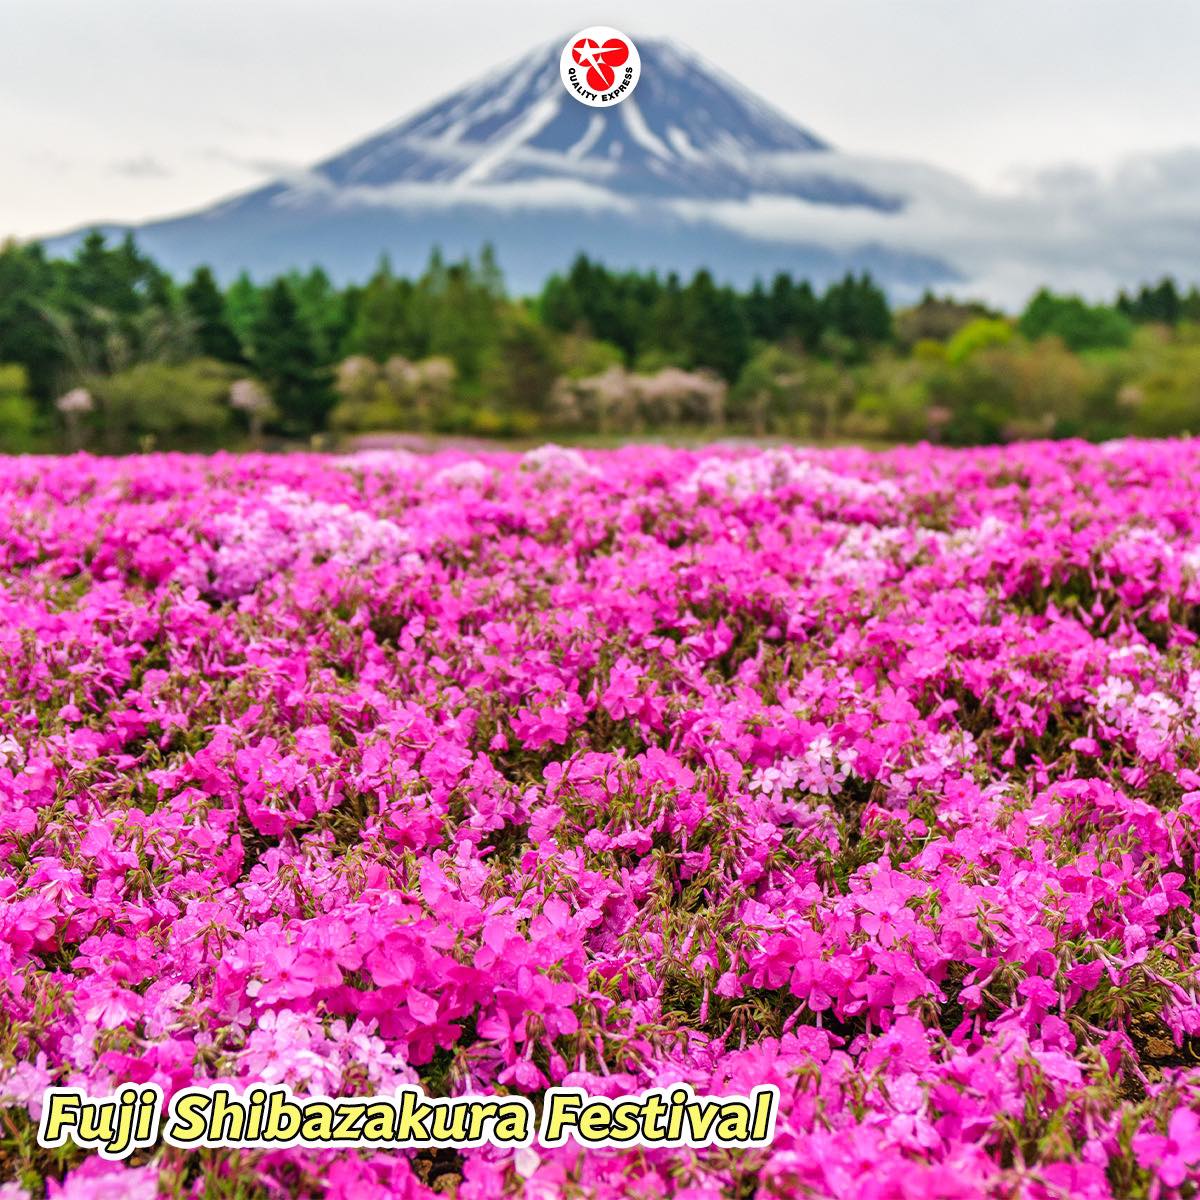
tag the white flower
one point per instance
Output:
(526, 1161)
(77, 400)
(466, 473)
(247, 396)
(10, 748)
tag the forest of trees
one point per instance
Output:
(106, 351)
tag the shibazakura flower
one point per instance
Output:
(871, 777)
(1175, 1155)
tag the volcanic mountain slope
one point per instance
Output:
(515, 160)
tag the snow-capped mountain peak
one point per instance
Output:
(686, 132)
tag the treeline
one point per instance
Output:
(106, 350)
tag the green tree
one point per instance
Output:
(593, 300)
(760, 316)
(27, 337)
(243, 307)
(979, 334)
(663, 341)
(856, 310)
(582, 356)
(323, 309)
(796, 317)
(112, 307)
(780, 391)
(214, 335)
(383, 319)
(768, 392)
(714, 327)
(1160, 391)
(168, 405)
(285, 358)
(1161, 304)
(1189, 306)
(971, 403)
(936, 319)
(118, 279)
(491, 278)
(18, 415)
(893, 401)
(1080, 325)
(457, 315)
(520, 372)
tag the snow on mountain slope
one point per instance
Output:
(686, 132)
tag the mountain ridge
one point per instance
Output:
(513, 159)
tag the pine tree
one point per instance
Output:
(874, 312)
(322, 308)
(520, 372)
(856, 310)
(1166, 302)
(286, 359)
(760, 315)
(796, 313)
(559, 307)
(714, 327)
(103, 278)
(664, 332)
(243, 307)
(214, 335)
(26, 336)
(491, 277)
(383, 318)
(463, 318)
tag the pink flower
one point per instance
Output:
(100, 1180)
(291, 974)
(886, 917)
(905, 1047)
(858, 774)
(1175, 1154)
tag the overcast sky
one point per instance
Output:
(125, 109)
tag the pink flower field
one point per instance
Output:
(875, 777)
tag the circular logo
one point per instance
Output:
(600, 66)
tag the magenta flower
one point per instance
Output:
(869, 776)
(1175, 1155)
(885, 918)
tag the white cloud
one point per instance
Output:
(1078, 228)
(1075, 228)
(523, 194)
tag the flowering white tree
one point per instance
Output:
(400, 394)
(74, 406)
(247, 396)
(671, 396)
(601, 402)
(617, 399)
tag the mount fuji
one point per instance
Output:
(691, 170)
